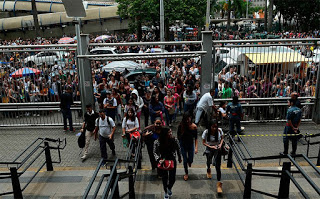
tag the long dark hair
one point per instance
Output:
(183, 124)
(133, 117)
(216, 134)
(166, 143)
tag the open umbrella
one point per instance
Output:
(25, 72)
(66, 40)
(102, 37)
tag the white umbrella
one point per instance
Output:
(121, 66)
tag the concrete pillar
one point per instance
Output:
(316, 108)
(85, 76)
(207, 69)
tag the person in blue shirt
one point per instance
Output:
(235, 113)
(156, 109)
(294, 115)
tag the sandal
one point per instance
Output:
(185, 177)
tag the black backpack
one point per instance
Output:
(82, 139)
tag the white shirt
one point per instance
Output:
(229, 75)
(114, 101)
(205, 102)
(104, 128)
(128, 124)
(222, 110)
(212, 139)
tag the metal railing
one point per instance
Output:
(37, 114)
(38, 147)
(309, 143)
(111, 190)
(245, 173)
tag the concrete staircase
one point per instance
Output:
(70, 183)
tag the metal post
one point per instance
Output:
(318, 160)
(116, 192)
(85, 81)
(17, 192)
(162, 37)
(208, 16)
(131, 184)
(247, 15)
(48, 156)
(316, 108)
(229, 163)
(207, 71)
(247, 185)
(284, 188)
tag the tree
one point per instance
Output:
(147, 12)
(306, 13)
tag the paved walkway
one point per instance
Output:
(15, 140)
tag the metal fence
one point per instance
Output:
(263, 73)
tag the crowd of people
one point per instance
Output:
(156, 99)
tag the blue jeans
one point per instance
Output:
(234, 121)
(187, 154)
(294, 140)
(66, 113)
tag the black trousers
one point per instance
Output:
(103, 146)
(149, 145)
(217, 160)
(168, 177)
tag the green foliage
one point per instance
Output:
(306, 13)
(147, 12)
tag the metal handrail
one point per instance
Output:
(304, 174)
(304, 194)
(112, 179)
(48, 161)
(265, 40)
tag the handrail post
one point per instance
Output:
(131, 184)
(318, 160)
(17, 192)
(48, 157)
(229, 162)
(284, 188)
(114, 176)
(248, 182)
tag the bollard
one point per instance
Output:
(131, 184)
(48, 156)
(247, 185)
(229, 163)
(17, 192)
(318, 160)
(284, 188)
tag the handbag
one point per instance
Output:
(171, 111)
(135, 135)
(166, 165)
(224, 149)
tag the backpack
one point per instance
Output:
(82, 139)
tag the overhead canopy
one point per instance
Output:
(266, 58)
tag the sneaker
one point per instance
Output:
(113, 152)
(166, 196)
(283, 153)
(169, 192)
(84, 157)
(38, 115)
